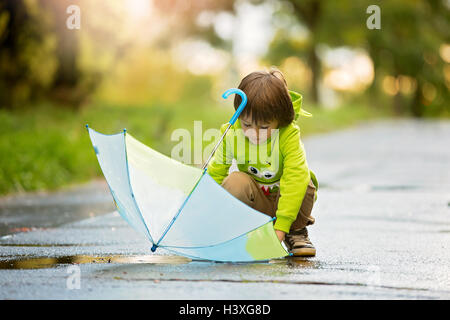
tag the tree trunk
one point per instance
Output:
(10, 47)
(398, 105)
(416, 104)
(314, 64)
(309, 12)
(66, 87)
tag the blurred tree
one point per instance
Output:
(41, 58)
(184, 14)
(310, 12)
(406, 48)
(67, 87)
(21, 42)
(38, 54)
(307, 13)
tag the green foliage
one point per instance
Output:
(26, 62)
(45, 147)
(38, 153)
(406, 45)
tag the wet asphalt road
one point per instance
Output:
(382, 232)
(26, 212)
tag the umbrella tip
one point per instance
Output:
(124, 130)
(87, 126)
(154, 248)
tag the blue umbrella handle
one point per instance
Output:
(241, 107)
(233, 119)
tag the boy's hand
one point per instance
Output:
(280, 234)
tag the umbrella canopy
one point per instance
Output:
(179, 207)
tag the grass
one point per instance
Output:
(46, 147)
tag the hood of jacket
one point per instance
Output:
(297, 100)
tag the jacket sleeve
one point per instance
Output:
(294, 180)
(221, 161)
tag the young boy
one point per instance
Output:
(273, 174)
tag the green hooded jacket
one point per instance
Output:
(278, 164)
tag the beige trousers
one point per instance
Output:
(245, 188)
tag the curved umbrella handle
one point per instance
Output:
(241, 107)
(233, 119)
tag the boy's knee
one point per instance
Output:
(239, 184)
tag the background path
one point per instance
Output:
(382, 232)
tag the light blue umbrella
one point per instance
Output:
(181, 208)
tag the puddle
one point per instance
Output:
(299, 262)
(53, 262)
(34, 245)
(26, 262)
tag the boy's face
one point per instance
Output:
(257, 132)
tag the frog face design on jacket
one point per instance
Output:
(264, 173)
(261, 160)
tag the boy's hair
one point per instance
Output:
(267, 97)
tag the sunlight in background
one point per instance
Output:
(130, 22)
(250, 31)
(224, 25)
(199, 57)
(138, 9)
(124, 36)
(297, 73)
(391, 85)
(444, 51)
(252, 34)
(403, 84)
(348, 69)
(447, 75)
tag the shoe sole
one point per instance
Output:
(303, 252)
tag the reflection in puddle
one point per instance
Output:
(297, 262)
(302, 262)
(39, 245)
(46, 262)
(26, 262)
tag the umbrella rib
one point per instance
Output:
(178, 212)
(216, 147)
(131, 188)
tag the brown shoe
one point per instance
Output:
(298, 243)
